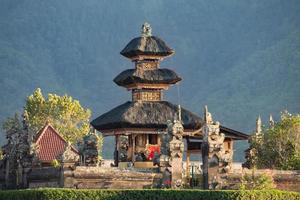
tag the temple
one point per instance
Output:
(138, 125)
(154, 140)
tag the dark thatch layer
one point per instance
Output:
(131, 76)
(145, 115)
(152, 45)
(233, 134)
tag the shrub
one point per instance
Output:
(257, 182)
(72, 194)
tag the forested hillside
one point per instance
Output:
(241, 58)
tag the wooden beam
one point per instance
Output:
(129, 131)
(133, 148)
(148, 86)
(116, 150)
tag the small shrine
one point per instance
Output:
(49, 146)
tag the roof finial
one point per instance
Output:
(258, 125)
(146, 30)
(179, 113)
(271, 121)
(207, 116)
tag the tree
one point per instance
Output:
(280, 146)
(63, 112)
(12, 125)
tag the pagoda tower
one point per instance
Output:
(138, 125)
(143, 119)
(147, 80)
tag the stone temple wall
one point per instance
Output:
(112, 178)
(44, 177)
(91, 178)
(283, 179)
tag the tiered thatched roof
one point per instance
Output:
(145, 115)
(151, 45)
(158, 76)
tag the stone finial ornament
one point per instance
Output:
(69, 155)
(258, 125)
(285, 114)
(146, 30)
(271, 121)
(207, 116)
(179, 113)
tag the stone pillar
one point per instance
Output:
(116, 152)
(25, 177)
(133, 147)
(170, 160)
(176, 154)
(215, 160)
(61, 176)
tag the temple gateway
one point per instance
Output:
(139, 125)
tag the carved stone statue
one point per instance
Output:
(69, 156)
(165, 146)
(176, 150)
(90, 150)
(123, 148)
(218, 161)
(171, 154)
(146, 30)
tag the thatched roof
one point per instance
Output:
(131, 76)
(154, 115)
(145, 115)
(233, 134)
(151, 45)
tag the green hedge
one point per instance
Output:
(72, 194)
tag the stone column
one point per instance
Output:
(176, 151)
(133, 147)
(215, 160)
(116, 152)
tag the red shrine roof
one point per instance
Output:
(51, 144)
